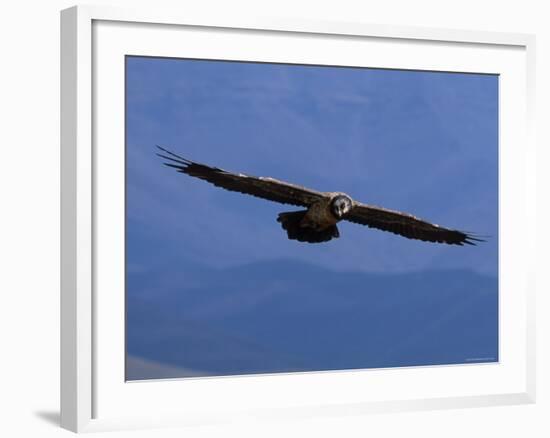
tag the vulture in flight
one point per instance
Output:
(323, 210)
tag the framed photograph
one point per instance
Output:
(266, 218)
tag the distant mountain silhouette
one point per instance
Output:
(283, 315)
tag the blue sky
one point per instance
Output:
(421, 142)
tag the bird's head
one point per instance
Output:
(340, 205)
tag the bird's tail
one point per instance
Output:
(291, 221)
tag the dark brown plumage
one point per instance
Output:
(406, 225)
(324, 209)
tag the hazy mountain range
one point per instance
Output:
(285, 315)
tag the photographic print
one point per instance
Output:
(299, 218)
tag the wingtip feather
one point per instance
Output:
(471, 239)
(173, 157)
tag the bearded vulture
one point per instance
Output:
(317, 223)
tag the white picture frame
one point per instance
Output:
(93, 396)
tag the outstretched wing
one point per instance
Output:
(407, 225)
(261, 187)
